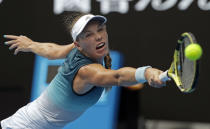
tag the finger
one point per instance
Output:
(10, 42)
(157, 79)
(13, 46)
(17, 50)
(151, 82)
(23, 36)
(157, 83)
(160, 85)
(11, 36)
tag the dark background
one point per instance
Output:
(144, 37)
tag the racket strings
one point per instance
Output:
(188, 69)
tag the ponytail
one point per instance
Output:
(108, 64)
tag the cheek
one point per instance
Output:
(88, 46)
(105, 35)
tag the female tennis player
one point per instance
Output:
(80, 80)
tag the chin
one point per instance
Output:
(98, 57)
(107, 52)
(101, 54)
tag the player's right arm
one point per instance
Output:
(97, 75)
(48, 50)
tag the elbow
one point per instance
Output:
(54, 56)
(50, 56)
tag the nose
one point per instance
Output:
(98, 37)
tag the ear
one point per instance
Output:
(77, 45)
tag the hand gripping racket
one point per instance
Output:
(182, 71)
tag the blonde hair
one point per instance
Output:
(70, 18)
(108, 65)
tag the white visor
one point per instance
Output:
(82, 22)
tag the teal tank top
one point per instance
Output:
(60, 90)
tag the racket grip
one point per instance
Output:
(164, 76)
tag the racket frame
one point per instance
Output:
(173, 70)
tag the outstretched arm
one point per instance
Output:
(96, 74)
(48, 50)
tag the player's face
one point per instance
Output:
(93, 41)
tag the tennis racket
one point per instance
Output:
(182, 71)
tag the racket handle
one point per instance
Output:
(164, 76)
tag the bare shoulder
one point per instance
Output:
(96, 74)
(91, 69)
(82, 81)
(67, 46)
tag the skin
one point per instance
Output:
(93, 34)
(48, 50)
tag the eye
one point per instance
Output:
(101, 28)
(88, 35)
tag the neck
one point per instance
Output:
(100, 61)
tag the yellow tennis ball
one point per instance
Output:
(193, 51)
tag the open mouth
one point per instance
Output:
(100, 45)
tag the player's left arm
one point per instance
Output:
(48, 50)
